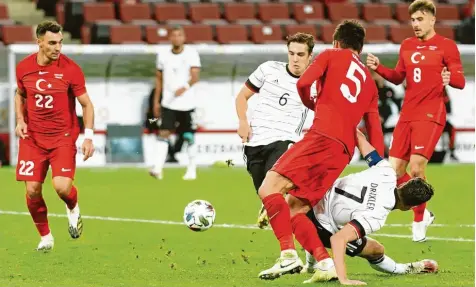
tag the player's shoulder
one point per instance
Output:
(67, 62)
(189, 50)
(27, 61)
(445, 42)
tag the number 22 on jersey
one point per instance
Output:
(344, 88)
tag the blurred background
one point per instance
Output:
(115, 43)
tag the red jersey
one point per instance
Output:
(420, 63)
(348, 93)
(50, 93)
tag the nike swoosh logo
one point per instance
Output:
(283, 266)
(65, 170)
(42, 73)
(419, 147)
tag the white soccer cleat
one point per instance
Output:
(311, 264)
(263, 220)
(191, 174)
(288, 263)
(423, 266)
(75, 227)
(419, 228)
(47, 243)
(325, 271)
(156, 175)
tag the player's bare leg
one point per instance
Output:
(163, 148)
(271, 193)
(191, 173)
(374, 252)
(306, 234)
(69, 194)
(422, 218)
(39, 213)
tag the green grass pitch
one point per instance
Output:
(152, 253)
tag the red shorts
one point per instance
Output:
(418, 137)
(33, 161)
(313, 164)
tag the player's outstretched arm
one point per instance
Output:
(21, 128)
(88, 117)
(374, 126)
(241, 103)
(395, 76)
(338, 244)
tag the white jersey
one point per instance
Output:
(279, 114)
(176, 74)
(362, 199)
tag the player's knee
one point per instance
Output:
(297, 206)
(164, 134)
(373, 250)
(33, 189)
(417, 170)
(62, 187)
(273, 183)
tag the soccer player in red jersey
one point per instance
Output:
(309, 168)
(48, 85)
(428, 62)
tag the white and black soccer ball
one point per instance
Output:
(199, 215)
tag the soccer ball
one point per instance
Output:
(199, 215)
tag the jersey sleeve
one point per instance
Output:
(195, 60)
(312, 74)
(452, 61)
(19, 76)
(159, 64)
(373, 125)
(78, 83)
(256, 79)
(397, 75)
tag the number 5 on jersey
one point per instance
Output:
(354, 67)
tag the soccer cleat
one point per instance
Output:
(156, 175)
(419, 228)
(311, 264)
(191, 174)
(47, 243)
(325, 271)
(423, 266)
(288, 263)
(263, 220)
(75, 226)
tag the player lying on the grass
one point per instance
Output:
(357, 205)
(49, 83)
(279, 116)
(427, 62)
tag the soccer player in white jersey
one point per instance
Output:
(277, 121)
(357, 205)
(178, 70)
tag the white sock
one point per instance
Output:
(386, 264)
(163, 146)
(191, 152)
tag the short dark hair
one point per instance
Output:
(302, 38)
(415, 192)
(176, 28)
(46, 26)
(350, 34)
(422, 6)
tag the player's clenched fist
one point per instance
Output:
(445, 75)
(372, 61)
(21, 129)
(244, 131)
(87, 148)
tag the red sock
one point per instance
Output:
(306, 235)
(280, 219)
(39, 213)
(402, 179)
(418, 212)
(72, 198)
